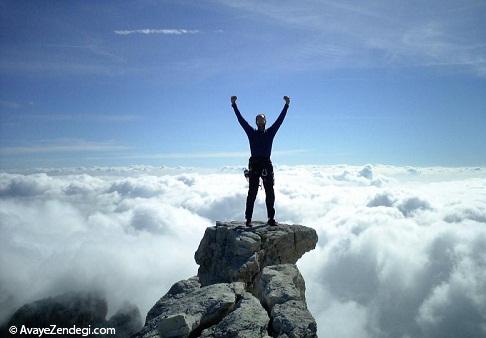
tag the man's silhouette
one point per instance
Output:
(259, 164)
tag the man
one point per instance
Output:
(259, 164)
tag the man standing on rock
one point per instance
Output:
(259, 164)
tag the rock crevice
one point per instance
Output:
(247, 286)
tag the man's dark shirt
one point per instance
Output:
(261, 141)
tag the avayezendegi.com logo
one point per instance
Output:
(54, 330)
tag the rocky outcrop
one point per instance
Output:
(82, 309)
(188, 307)
(247, 286)
(281, 290)
(230, 252)
(248, 320)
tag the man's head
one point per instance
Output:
(261, 121)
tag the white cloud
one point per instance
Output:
(157, 31)
(401, 250)
(344, 320)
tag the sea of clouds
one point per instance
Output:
(401, 251)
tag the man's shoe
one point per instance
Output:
(248, 223)
(272, 222)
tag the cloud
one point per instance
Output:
(66, 146)
(335, 320)
(459, 297)
(157, 31)
(202, 155)
(399, 258)
(413, 204)
(374, 34)
(58, 67)
(10, 104)
(384, 199)
(19, 185)
(363, 176)
(75, 117)
(463, 213)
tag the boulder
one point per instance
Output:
(281, 289)
(248, 320)
(278, 284)
(292, 319)
(230, 251)
(188, 309)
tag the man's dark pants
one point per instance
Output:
(260, 167)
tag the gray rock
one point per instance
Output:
(248, 320)
(177, 325)
(232, 252)
(292, 319)
(178, 290)
(278, 284)
(185, 286)
(188, 309)
(281, 290)
(247, 286)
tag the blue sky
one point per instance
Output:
(116, 83)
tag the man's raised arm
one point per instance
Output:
(248, 129)
(274, 127)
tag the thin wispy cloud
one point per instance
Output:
(147, 31)
(57, 68)
(203, 155)
(68, 117)
(64, 147)
(94, 47)
(373, 35)
(9, 104)
(89, 117)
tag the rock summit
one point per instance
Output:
(247, 285)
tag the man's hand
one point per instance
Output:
(233, 99)
(287, 99)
